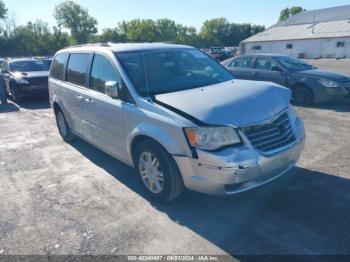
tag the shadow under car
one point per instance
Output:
(302, 213)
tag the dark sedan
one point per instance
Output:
(308, 84)
(25, 76)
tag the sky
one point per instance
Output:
(187, 12)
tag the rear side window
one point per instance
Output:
(245, 62)
(77, 68)
(57, 69)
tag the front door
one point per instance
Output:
(268, 70)
(103, 113)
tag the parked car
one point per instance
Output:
(175, 115)
(218, 53)
(308, 84)
(25, 76)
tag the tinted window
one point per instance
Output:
(244, 62)
(58, 66)
(28, 66)
(77, 67)
(171, 70)
(265, 64)
(102, 71)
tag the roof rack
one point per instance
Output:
(104, 44)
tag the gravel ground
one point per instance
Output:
(340, 65)
(58, 198)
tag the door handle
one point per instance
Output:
(89, 100)
(79, 98)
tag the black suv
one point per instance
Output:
(25, 76)
(308, 84)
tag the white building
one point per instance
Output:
(323, 33)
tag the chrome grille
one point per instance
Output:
(271, 136)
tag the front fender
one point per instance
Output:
(175, 143)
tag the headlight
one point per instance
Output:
(19, 78)
(21, 81)
(328, 83)
(212, 138)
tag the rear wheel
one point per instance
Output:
(158, 171)
(302, 96)
(63, 128)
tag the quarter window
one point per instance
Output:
(58, 66)
(77, 67)
(102, 71)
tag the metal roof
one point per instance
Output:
(303, 31)
(321, 15)
(329, 23)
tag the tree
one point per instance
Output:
(110, 35)
(220, 32)
(289, 12)
(77, 19)
(3, 10)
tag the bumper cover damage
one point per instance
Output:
(235, 170)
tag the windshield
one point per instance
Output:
(29, 66)
(164, 71)
(294, 64)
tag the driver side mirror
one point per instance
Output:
(112, 89)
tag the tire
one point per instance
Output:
(63, 128)
(302, 96)
(16, 94)
(3, 95)
(170, 181)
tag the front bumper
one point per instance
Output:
(329, 94)
(239, 169)
(34, 89)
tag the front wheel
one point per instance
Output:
(16, 94)
(3, 95)
(158, 171)
(302, 96)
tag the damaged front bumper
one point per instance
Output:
(238, 169)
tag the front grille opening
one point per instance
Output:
(38, 81)
(271, 136)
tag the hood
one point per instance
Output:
(236, 103)
(33, 74)
(323, 74)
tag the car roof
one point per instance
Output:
(123, 47)
(266, 54)
(26, 59)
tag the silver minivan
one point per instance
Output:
(175, 115)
